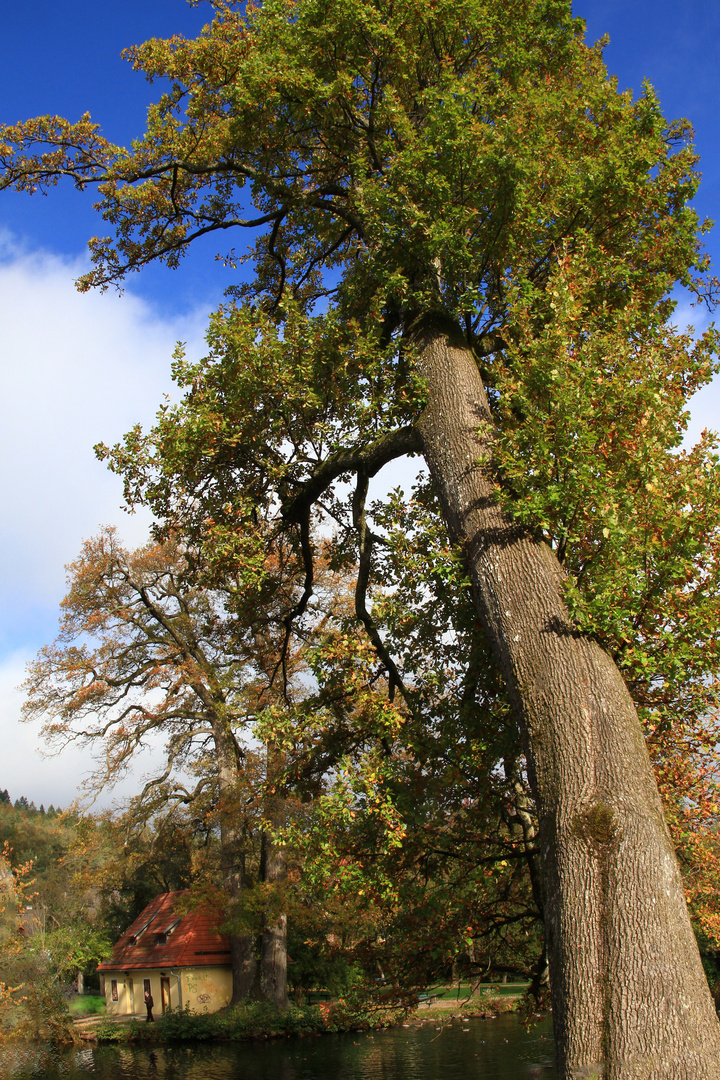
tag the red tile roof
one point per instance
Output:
(161, 938)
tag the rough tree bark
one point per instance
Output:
(273, 955)
(242, 948)
(630, 998)
(273, 949)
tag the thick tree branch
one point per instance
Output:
(299, 608)
(365, 545)
(368, 459)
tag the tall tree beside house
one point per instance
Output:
(447, 197)
(442, 783)
(146, 654)
(419, 820)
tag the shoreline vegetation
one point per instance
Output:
(259, 1021)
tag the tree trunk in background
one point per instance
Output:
(630, 998)
(273, 954)
(242, 948)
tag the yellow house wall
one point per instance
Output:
(206, 989)
(202, 989)
(125, 1002)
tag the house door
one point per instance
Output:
(131, 995)
(165, 994)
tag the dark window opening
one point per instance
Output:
(162, 935)
(134, 938)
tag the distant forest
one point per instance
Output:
(24, 804)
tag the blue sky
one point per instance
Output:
(63, 57)
(79, 369)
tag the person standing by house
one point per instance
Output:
(149, 1019)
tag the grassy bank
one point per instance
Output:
(87, 1005)
(260, 1021)
(465, 991)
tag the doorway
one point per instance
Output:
(165, 993)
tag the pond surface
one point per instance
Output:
(462, 1050)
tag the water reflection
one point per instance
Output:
(464, 1050)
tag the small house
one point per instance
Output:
(182, 959)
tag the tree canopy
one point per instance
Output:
(465, 244)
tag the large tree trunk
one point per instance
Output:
(273, 955)
(243, 957)
(630, 998)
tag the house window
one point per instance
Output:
(146, 987)
(134, 938)
(113, 989)
(162, 935)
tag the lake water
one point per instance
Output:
(462, 1050)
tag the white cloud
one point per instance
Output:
(704, 412)
(23, 771)
(75, 370)
(705, 405)
(26, 768)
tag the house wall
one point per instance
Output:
(202, 989)
(206, 989)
